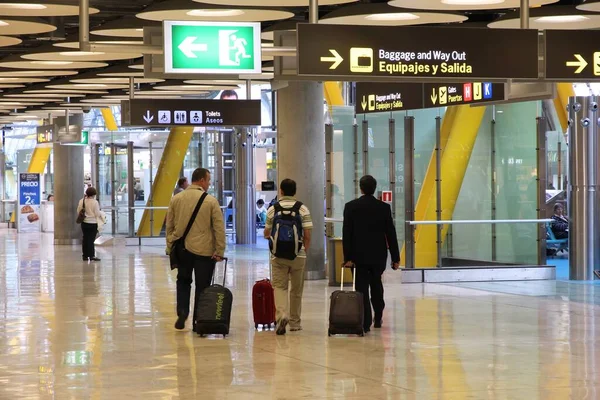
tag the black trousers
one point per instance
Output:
(89, 236)
(369, 276)
(202, 269)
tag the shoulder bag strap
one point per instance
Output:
(83, 201)
(194, 215)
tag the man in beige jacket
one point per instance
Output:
(204, 244)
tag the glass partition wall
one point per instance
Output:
(500, 181)
(210, 148)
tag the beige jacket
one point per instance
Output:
(207, 236)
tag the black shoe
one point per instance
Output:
(95, 259)
(377, 324)
(86, 259)
(367, 330)
(180, 324)
(281, 325)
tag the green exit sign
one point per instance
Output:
(193, 47)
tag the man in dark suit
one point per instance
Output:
(368, 231)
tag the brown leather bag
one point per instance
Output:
(81, 215)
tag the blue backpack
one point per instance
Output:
(286, 236)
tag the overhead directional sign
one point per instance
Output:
(192, 47)
(453, 94)
(144, 112)
(362, 52)
(385, 97)
(572, 54)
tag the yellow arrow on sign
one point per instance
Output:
(364, 103)
(336, 59)
(434, 96)
(580, 63)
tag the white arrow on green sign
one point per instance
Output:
(212, 47)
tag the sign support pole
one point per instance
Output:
(541, 187)
(524, 14)
(393, 165)
(356, 159)
(365, 140)
(151, 167)
(130, 189)
(438, 187)
(329, 176)
(493, 182)
(131, 88)
(113, 189)
(409, 190)
(313, 11)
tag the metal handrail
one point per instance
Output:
(481, 221)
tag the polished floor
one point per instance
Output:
(72, 330)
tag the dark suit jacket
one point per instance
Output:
(368, 229)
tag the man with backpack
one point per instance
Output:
(288, 229)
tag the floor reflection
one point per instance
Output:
(72, 330)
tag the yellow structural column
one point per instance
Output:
(109, 119)
(460, 128)
(39, 159)
(333, 94)
(564, 91)
(166, 179)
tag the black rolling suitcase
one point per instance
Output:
(212, 311)
(347, 310)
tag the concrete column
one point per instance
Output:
(68, 187)
(301, 157)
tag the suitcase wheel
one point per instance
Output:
(224, 336)
(329, 332)
(361, 334)
(256, 326)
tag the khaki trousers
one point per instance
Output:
(288, 304)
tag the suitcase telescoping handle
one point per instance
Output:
(224, 260)
(353, 277)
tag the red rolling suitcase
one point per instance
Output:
(263, 303)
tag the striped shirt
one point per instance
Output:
(288, 202)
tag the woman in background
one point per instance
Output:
(89, 226)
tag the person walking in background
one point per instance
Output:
(261, 212)
(204, 244)
(89, 226)
(288, 229)
(368, 230)
(182, 184)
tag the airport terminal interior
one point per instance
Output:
(479, 119)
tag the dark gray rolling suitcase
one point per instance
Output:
(212, 311)
(346, 311)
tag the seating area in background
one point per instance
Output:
(554, 245)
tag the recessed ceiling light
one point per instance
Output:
(52, 62)
(472, 2)
(215, 13)
(18, 6)
(81, 53)
(3, 23)
(561, 19)
(392, 17)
